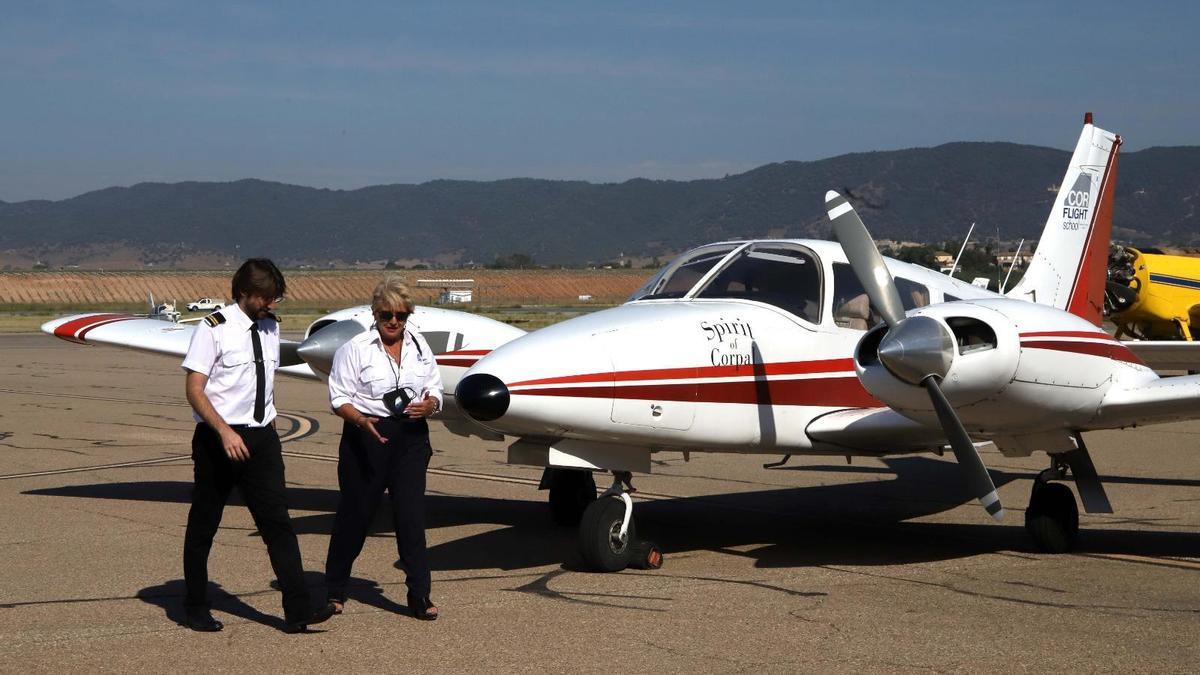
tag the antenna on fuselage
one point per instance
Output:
(961, 249)
(1011, 265)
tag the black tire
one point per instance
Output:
(571, 492)
(1052, 519)
(601, 520)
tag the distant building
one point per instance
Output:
(454, 291)
(1007, 258)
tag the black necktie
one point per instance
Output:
(260, 376)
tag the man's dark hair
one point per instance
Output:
(258, 276)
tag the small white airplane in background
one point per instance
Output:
(763, 347)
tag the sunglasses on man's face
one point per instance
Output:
(388, 316)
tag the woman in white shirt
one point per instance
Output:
(384, 383)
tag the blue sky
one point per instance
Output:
(344, 95)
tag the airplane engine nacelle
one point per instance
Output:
(977, 348)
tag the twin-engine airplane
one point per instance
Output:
(767, 347)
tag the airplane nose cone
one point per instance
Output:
(917, 348)
(482, 396)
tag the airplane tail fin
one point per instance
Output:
(1068, 268)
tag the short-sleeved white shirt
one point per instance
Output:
(225, 353)
(363, 372)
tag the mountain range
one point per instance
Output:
(920, 194)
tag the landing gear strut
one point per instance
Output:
(1052, 518)
(608, 538)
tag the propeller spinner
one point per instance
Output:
(917, 350)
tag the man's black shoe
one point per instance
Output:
(203, 622)
(322, 614)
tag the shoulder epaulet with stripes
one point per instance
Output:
(214, 319)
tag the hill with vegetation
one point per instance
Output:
(923, 194)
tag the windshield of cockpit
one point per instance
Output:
(784, 275)
(678, 277)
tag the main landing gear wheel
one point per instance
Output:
(608, 538)
(571, 492)
(1052, 519)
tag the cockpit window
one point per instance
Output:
(785, 276)
(678, 277)
(852, 308)
(912, 294)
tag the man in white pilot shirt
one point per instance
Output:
(230, 366)
(384, 383)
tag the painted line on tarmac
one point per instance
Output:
(302, 426)
(87, 397)
(98, 467)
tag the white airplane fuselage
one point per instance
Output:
(746, 375)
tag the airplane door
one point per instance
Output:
(645, 393)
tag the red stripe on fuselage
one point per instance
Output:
(1097, 335)
(787, 368)
(844, 391)
(1115, 350)
(461, 363)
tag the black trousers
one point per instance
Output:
(365, 469)
(260, 481)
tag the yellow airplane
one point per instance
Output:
(1153, 296)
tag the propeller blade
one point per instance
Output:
(964, 451)
(864, 257)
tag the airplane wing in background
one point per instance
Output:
(151, 335)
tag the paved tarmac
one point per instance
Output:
(875, 566)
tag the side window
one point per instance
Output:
(946, 297)
(912, 294)
(851, 306)
(439, 340)
(786, 277)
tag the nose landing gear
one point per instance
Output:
(1052, 519)
(608, 538)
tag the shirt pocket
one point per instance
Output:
(237, 359)
(376, 381)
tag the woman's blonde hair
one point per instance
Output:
(391, 292)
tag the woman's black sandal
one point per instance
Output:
(420, 606)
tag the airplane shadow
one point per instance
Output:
(861, 523)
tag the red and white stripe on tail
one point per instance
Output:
(1068, 268)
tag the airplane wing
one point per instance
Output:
(1166, 399)
(151, 335)
(873, 431)
(1166, 354)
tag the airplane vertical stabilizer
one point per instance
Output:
(1068, 268)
